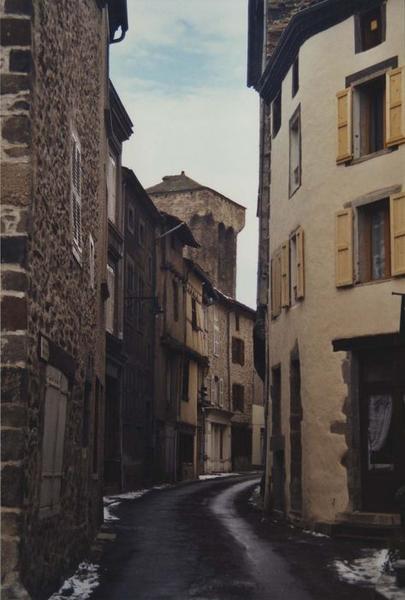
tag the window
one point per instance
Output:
(185, 381)
(92, 278)
(371, 111)
(76, 199)
(276, 400)
(238, 397)
(238, 351)
(131, 219)
(216, 334)
(370, 28)
(296, 265)
(295, 77)
(112, 187)
(276, 114)
(374, 241)
(194, 320)
(381, 241)
(295, 152)
(130, 292)
(141, 233)
(236, 322)
(53, 441)
(175, 289)
(369, 117)
(110, 304)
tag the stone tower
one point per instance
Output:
(214, 219)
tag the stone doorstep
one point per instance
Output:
(369, 518)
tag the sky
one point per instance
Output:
(181, 74)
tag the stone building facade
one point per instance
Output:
(214, 219)
(226, 435)
(332, 253)
(119, 130)
(54, 148)
(141, 310)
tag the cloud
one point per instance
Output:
(181, 75)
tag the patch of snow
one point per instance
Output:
(81, 585)
(364, 571)
(116, 499)
(315, 533)
(215, 476)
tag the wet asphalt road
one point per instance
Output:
(204, 541)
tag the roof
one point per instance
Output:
(235, 304)
(122, 124)
(184, 232)
(172, 184)
(129, 175)
(313, 16)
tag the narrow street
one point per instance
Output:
(205, 540)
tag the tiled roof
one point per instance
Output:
(175, 183)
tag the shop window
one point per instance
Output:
(238, 397)
(276, 113)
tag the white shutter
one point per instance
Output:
(221, 392)
(76, 201)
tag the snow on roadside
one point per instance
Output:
(215, 476)
(366, 570)
(81, 585)
(115, 500)
(371, 570)
(315, 533)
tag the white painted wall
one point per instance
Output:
(327, 312)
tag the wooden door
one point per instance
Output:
(382, 423)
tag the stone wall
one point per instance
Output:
(48, 51)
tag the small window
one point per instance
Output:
(175, 289)
(112, 187)
(194, 320)
(238, 397)
(185, 382)
(141, 233)
(92, 274)
(295, 77)
(374, 241)
(295, 152)
(110, 304)
(236, 322)
(131, 219)
(76, 198)
(369, 117)
(276, 114)
(216, 340)
(238, 351)
(370, 28)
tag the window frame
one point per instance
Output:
(238, 351)
(240, 397)
(363, 237)
(295, 120)
(358, 27)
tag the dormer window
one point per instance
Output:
(370, 28)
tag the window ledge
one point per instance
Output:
(374, 281)
(366, 157)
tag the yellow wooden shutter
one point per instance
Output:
(395, 106)
(276, 284)
(397, 217)
(285, 274)
(344, 125)
(300, 279)
(344, 247)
